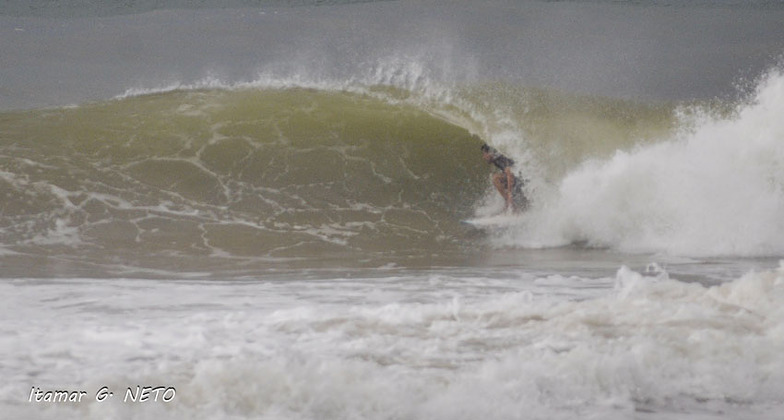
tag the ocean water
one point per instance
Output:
(252, 209)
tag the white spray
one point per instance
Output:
(714, 189)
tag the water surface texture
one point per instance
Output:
(258, 205)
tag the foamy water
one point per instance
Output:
(715, 188)
(446, 345)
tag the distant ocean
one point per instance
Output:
(254, 209)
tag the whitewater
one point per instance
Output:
(714, 188)
(256, 208)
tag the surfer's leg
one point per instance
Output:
(499, 180)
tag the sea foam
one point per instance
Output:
(633, 345)
(715, 188)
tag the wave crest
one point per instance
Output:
(715, 187)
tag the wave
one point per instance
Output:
(283, 170)
(715, 187)
(274, 173)
(655, 345)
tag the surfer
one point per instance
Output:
(507, 184)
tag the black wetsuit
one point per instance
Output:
(502, 162)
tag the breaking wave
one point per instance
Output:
(266, 173)
(288, 171)
(714, 187)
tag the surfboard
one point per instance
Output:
(491, 222)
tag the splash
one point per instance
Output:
(716, 187)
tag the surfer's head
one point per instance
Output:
(488, 153)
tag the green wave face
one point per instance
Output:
(265, 174)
